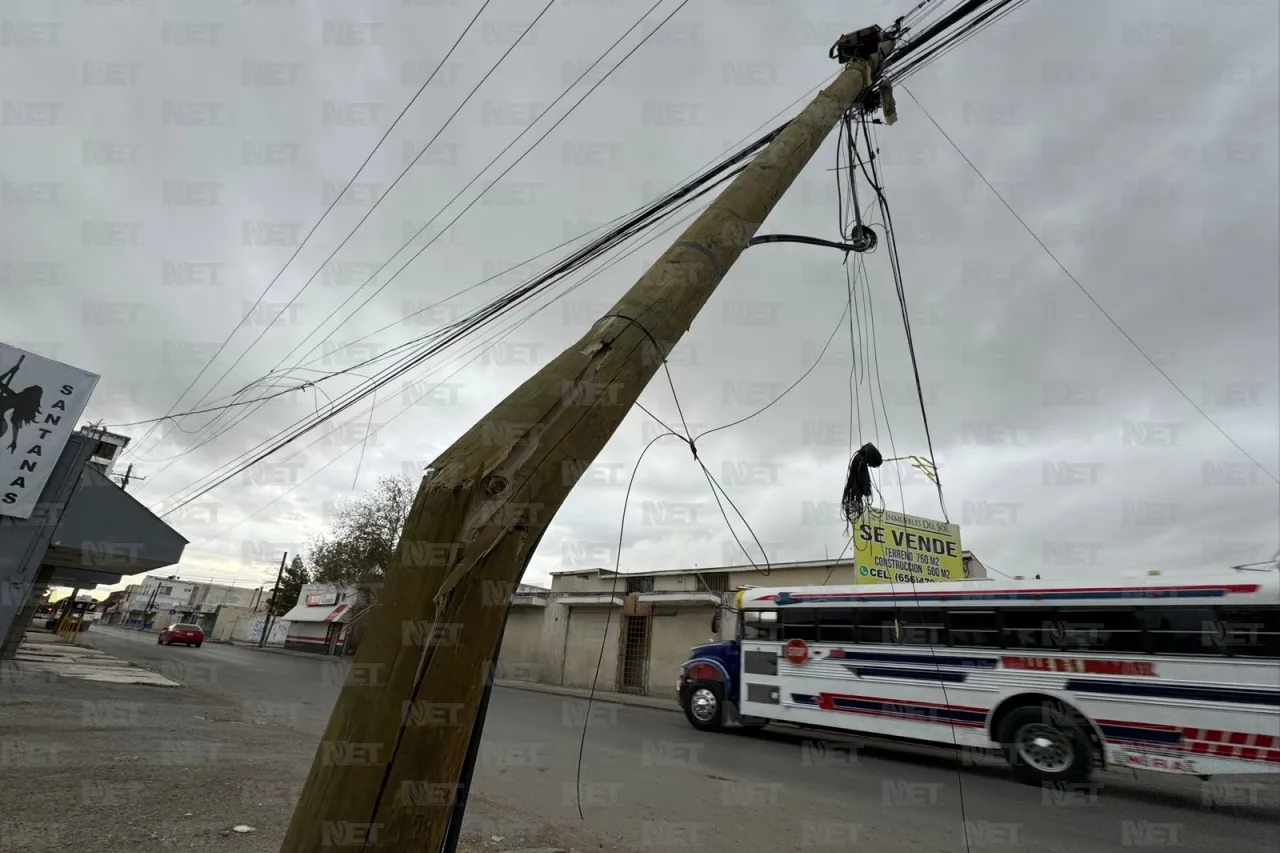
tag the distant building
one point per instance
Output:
(158, 602)
(319, 621)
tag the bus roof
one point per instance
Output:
(1216, 588)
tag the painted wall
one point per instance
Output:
(250, 631)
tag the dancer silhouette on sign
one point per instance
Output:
(21, 408)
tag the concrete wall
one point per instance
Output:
(816, 573)
(673, 631)
(224, 626)
(555, 635)
(831, 574)
(212, 595)
(584, 641)
(588, 583)
(521, 655)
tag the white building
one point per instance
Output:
(158, 602)
(319, 620)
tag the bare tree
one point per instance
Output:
(356, 550)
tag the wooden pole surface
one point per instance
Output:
(386, 772)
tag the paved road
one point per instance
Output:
(651, 782)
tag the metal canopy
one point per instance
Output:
(105, 534)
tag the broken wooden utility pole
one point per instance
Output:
(387, 771)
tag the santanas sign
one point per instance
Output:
(40, 403)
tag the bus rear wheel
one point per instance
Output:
(1045, 745)
(704, 705)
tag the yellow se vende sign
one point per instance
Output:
(895, 548)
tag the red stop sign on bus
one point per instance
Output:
(796, 651)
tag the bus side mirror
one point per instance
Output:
(715, 622)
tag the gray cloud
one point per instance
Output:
(163, 159)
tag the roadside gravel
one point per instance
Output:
(122, 767)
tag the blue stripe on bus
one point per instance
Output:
(908, 674)
(940, 660)
(786, 599)
(1232, 695)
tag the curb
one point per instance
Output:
(652, 702)
(289, 652)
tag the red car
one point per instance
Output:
(190, 635)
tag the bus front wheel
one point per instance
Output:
(704, 705)
(1045, 745)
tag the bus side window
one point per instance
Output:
(837, 626)
(1252, 632)
(1028, 628)
(974, 629)
(1181, 630)
(759, 624)
(799, 625)
(921, 627)
(877, 626)
(1104, 630)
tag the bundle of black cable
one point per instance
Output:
(857, 485)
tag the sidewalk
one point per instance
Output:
(52, 658)
(602, 696)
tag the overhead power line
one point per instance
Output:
(408, 243)
(483, 347)
(487, 313)
(460, 192)
(137, 447)
(384, 195)
(615, 221)
(1167, 378)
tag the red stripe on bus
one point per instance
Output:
(1152, 727)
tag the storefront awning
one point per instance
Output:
(104, 534)
(330, 613)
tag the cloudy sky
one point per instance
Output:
(162, 161)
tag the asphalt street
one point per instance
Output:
(649, 781)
